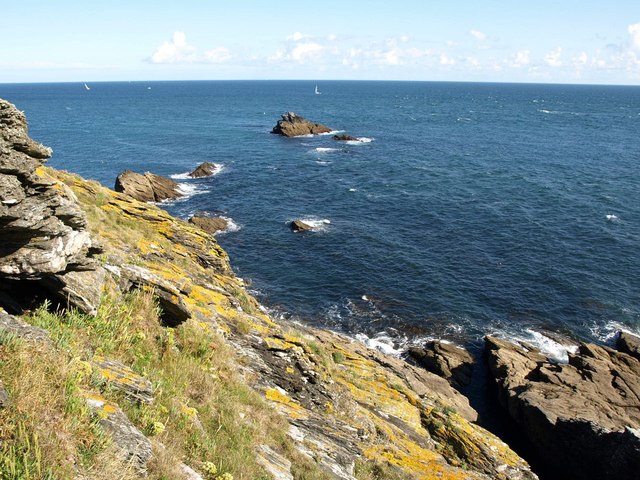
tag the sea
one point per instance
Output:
(463, 209)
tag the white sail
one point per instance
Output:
(87, 87)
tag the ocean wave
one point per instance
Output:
(611, 217)
(550, 347)
(326, 149)
(359, 141)
(332, 132)
(185, 175)
(232, 226)
(383, 343)
(188, 190)
(608, 332)
(323, 162)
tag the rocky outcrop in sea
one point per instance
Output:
(147, 187)
(293, 125)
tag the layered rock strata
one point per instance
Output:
(583, 417)
(147, 187)
(446, 360)
(293, 125)
(44, 235)
(205, 169)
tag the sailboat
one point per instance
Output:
(317, 91)
(87, 87)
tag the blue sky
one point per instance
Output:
(505, 41)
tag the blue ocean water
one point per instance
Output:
(467, 209)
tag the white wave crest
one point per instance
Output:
(608, 332)
(326, 149)
(232, 226)
(611, 217)
(548, 346)
(185, 175)
(382, 342)
(360, 141)
(188, 190)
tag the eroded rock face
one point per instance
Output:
(43, 228)
(446, 360)
(147, 187)
(293, 125)
(211, 225)
(205, 169)
(584, 416)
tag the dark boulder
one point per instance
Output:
(205, 169)
(583, 417)
(147, 187)
(446, 360)
(292, 125)
(345, 138)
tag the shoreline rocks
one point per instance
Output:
(345, 138)
(446, 360)
(583, 417)
(147, 187)
(293, 125)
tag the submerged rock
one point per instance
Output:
(293, 125)
(345, 138)
(446, 360)
(205, 169)
(583, 417)
(211, 225)
(300, 226)
(147, 187)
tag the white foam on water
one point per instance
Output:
(188, 190)
(353, 189)
(548, 346)
(326, 149)
(332, 132)
(323, 162)
(608, 332)
(232, 226)
(611, 217)
(185, 175)
(360, 141)
(381, 342)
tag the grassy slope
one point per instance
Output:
(209, 406)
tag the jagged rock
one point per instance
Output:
(292, 125)
(211, 225)
(189, 473)
(174, 310)
(80, 289)
(4, 396)
(43, 227)
(15, 326)
(583, 417)
(147, 187)
(205, 169)
(629, 344)
(275, 464)
(134, 446)
(300, 226)
(121, 377)
(345, 138)
(446, 360)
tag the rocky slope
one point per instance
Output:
(350, 412)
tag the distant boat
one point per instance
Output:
(317, 91)
(87, 87)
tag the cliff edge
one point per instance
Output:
(178, 372)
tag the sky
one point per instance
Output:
(562, 41)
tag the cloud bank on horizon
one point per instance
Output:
(460, 40)
(330, 53)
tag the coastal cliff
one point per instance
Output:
(176, 371)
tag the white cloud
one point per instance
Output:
(478, 35)
(305, 51)
(444, 60)
(297, 36)
(179, 51)
(332, 37)
(553, 57)
(175, 51)
(581, 59)
(521, 58)
(634, 31)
